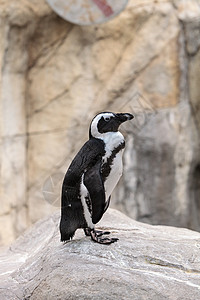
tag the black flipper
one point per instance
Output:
(94, 184)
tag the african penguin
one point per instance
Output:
(92, 176)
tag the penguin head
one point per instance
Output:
(107, 122)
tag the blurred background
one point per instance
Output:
(55, 76)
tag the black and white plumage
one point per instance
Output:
(92, 176)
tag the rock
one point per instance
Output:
(148, 262)
(56, 76)
(158, 183)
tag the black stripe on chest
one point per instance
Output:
(106, 167)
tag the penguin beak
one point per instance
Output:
(124, 117)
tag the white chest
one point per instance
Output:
(113, 140)
(115, 174)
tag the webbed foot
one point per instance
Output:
(98, 232)
(96, 237)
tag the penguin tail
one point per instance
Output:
(66, 236)
(66, 231)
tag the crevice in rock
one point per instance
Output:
(49, 102)
(162, 263)
(130, 81)
(197, 187)
(194, 194)
(50, 45)
(23, 135)
(57, 45)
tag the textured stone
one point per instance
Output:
(194, 72)
(56, 76)
(148, 262)
(158, 161)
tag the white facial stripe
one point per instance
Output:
(94, 129)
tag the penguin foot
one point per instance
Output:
(98, 232)
(87, 231)
(96, 237)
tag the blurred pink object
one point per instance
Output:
(104, 7)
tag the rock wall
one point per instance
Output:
(56, 76)
(148, 262)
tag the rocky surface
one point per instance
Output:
(56, 76)
(148, 262)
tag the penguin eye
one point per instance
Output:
(107, 119)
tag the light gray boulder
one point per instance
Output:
(148, 262)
